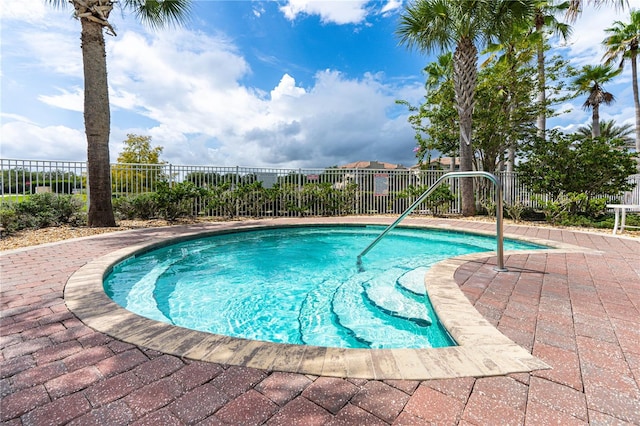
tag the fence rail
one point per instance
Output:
(289, 192)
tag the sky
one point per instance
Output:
(282, 84)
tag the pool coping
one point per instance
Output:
(482, 350)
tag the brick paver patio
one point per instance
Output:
(578, 312)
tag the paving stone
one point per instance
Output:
(87, 357)
(117, 346)
(112, 389)
(381, 400)
(94, 339)
(32, 314)
(503, 389)
(23, 401)
(598, 418)
(406, 386)
(72, 382)
(153, 396)
(162, 417)
(56, 317)
(352, 415)
(615, 404)
(282, 387)
(602, 354)
(558, 397)
(330, 393)
(235, 380)
(5, 387)
(212, 421)
(58, 412)
(27, 347)
(196, 373)
(482, 410)
(42, 331)
(38, 375)
(158, 368)
(434, 407)
(541, 414)
(250, 408)
(121, 362)
(198, 404)
(458, 388)
(623, 383)
(12, 366)
(57, 352)
(300, 412)
(406, 419)
(551, 338)
(565, 365)
(73, 333)
(114, 414)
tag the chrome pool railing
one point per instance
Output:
(498, 201)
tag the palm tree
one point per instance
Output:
(590, 81)
(545, 20)
(622, 43)
(440, 71)
(575, 6)
(444, 25)
(94, 19)
(610, 130)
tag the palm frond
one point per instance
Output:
(160, 13)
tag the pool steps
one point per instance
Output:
(413, 280)
(369, 307)
(311, 324)
(393, 302)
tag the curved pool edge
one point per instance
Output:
(482, 350)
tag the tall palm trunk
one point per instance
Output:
(541, 121)
(634, 77)
(465, 60)
(97, 124)
(595, 121)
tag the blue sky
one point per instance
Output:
(282, 84)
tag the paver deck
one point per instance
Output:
(577, 311)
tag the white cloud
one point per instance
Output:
(585, 45)
(391, 6)
(287, 87)
(69, 100)
(337, 12)
(22, 139)
(188, 91)
(24, 10)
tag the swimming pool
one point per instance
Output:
(298, 285)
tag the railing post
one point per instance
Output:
(499, 227)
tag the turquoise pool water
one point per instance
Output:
(298, 285)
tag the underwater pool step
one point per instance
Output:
(317, 328)
(139, 295)
(413, 280)
(367, 323)
(389, 300)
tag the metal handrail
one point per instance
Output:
(498, 200)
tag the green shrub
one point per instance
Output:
(555, 210)
(137, 207)
(515, 211)
(8, 219)
(438, 201)
(43, 210)
(177, 200)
